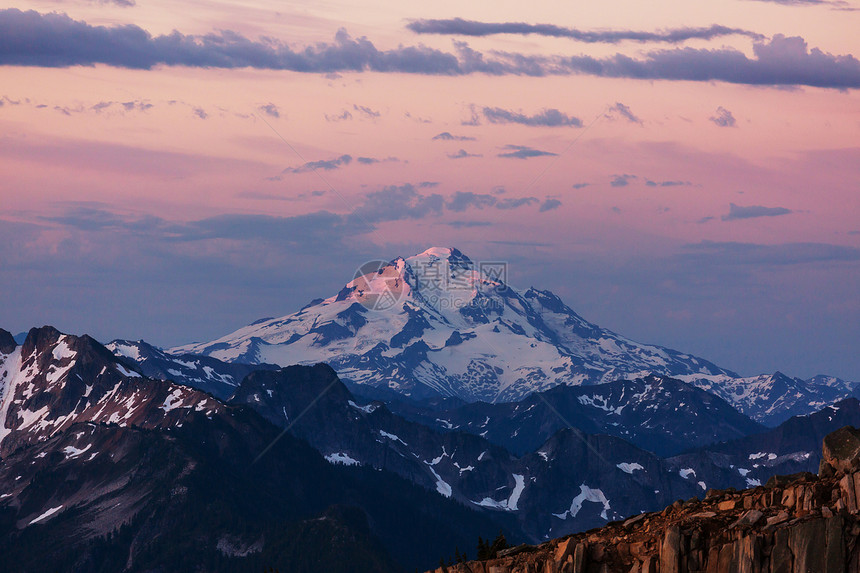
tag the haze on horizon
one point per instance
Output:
(682, 174)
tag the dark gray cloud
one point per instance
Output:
(463, 154)
(270, 109)
(733, 253)
(624, 111)
(549, 205)
(580, 185)
(523, 152)
(55, 40)
(428, 184)
(460, 27)
(200, 112)
(322, 164)
(650, 183)
(723, 118)
(753, 211)
(445, 136)
(621, 180)
(544, 118)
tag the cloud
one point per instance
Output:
(625, 112)
(372, 160)
(342, 116)
(468, 224)
(428, 184)
(753, 211)
(270, 109)
(56, 40)
(463, 154)
(733, 253)
(650, 183)
(200, 112)
(445, 136)
(460, 27)
(395, 203)
(621, 180)
(322, 164)
(544, 118)
(523, 152)
(462, 200)
(549, 205)
(723, 117)
(366, 111)
(580, 185)
(833, 4)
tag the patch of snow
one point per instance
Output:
(366, 409)
(687, 472)
(340, 458)
(753, 482)
(172, 401)
(47, 514)
(441, 486)
(743, 471)
(396, 439)
(126, 372)
(703, 486)
(628, 467)
(73, 452)
(586, 494)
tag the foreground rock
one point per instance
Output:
(799, 523)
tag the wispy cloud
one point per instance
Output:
(625, 112)
(270, 109)
(460, 27)
(322, 164)
(543, 118)
(463, 154)
(366, 111)
(549, 205)
(723, 118)
(733, 253)
(446, 136)
(622, 180)
(523, 152)
(753, 211)
(650, 183)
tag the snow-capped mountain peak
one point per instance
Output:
(440, 323)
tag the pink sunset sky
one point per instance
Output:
(684, 173)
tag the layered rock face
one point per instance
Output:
(794, 524)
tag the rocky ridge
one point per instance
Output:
(798, 523)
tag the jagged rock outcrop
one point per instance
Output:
(794, 524)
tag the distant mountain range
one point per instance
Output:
(439, 324)
(444, 414)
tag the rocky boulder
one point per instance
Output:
(840, 452)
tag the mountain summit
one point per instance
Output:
(438, 323)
